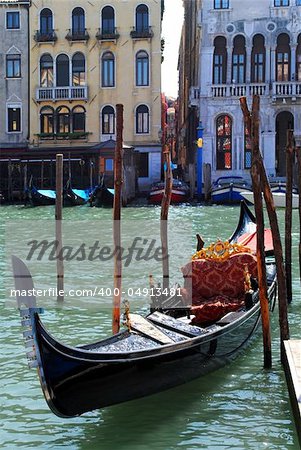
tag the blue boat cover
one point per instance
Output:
(84, 194)
(47, 193)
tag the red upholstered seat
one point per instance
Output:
(216, 287)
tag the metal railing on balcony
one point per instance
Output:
(142, 33)
(62, 93)
(194, 96)
(78, 35)
(45, 36)
(239, 90)
(70, 136)
(109, 34)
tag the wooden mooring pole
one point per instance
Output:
(252, 122)
(288, 214)
(116, 219)
(58, 226)
(298, 153)
(164, 216)
(281, 282)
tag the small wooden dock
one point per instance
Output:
(292, 366)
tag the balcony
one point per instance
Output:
(142, 33)
(62, 93)
(239, 90)
(194, 96)
(78, 35)
(286, 89)
(76, 135)
(45, 37)
(107, 34)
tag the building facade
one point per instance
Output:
(188, 105)
(85, 57)
(246, 49)
(14, 73)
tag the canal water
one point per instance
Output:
(238, 407)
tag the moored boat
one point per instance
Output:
(155, 352)
(75, 197)
(102, 196)
(279, 199)
(179, 194)
(227, 190)
(41, 197)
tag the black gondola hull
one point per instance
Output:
(74, 383)
(37, 199)
(101, 197)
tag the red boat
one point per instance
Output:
(180, 192)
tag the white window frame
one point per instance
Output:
(14, 105)
(20, 22)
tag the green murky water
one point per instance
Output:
(239, 407)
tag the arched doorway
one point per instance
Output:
(284, 122)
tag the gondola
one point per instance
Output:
(164, 349)
(227, 190)
(75, 197)
(40, 197)
(102, 196)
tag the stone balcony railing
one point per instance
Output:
(194, 96)
(62, 93)
(286, 89)
(239, 90)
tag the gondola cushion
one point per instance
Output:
(214, 309)
(205, 279)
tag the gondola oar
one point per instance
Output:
(116, 220)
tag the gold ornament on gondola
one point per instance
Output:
(220, 251)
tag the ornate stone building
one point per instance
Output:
(85, 58)
(248, 48)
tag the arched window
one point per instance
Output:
(142, 19)
(258, 60)
(108, 120)
(63, 120)
(142, 119)
(283, 58)
(108, 70)
(78, 69)
(46, 71)
(223, 142)
(78, 21)
(142, 69)
(79, 119)
(47, 120)
(220, 60)
(108, 20)
(239, 60)
(62, 70)
(298, 59)
(46, 21)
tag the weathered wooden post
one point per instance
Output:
(58, 226)
(42, 174)
(298, 153)
(116, 219)
(288, 213)
(252, 122)
(283, 320)
(164, 217)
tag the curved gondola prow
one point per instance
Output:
(246, 222)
